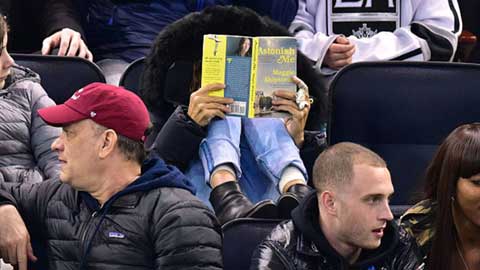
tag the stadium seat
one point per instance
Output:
(61, 76)
(131, 76)
(240, 239)
(403, 111)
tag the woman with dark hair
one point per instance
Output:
(446, 224)
(25, 154)
(244, 47)
(182, 129)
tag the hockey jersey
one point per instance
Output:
(414, 30)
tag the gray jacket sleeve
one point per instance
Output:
(42, 135)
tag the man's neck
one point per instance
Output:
(348, 252)
(115, 179)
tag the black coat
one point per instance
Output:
(155, 223)
(32, 21)
(300, 244)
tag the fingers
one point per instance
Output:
(203, 108)
(210, 87)
(283, 94)
(69, 43)
(22, 256)
(89, 55)
(342, 40)
(341, 48)
(74, 47)
(50, 42)
(205, 116)
(212, 106)
(299, 116)
(30, 254)
(338, 60)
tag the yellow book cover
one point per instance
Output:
(251, 68)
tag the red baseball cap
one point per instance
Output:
(110, 106)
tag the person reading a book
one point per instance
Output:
(258, 156)
(184, 127)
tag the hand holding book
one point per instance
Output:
(296, 121)
(203, 108)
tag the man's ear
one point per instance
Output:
(110, 139)
(327, 201)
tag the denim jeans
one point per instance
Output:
(259, 150)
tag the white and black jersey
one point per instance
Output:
(415, 30)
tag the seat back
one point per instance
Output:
(240, 239)
(131, 77)
(61, 76)
(403, 111)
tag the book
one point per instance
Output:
(251, 68)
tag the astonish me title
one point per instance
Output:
(285, 55)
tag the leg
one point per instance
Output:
(278, 157)
(112, 69)
(273, 148)
(220, 156)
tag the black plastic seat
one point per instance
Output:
(61, 76)
(240, 239)
(131, 77)
(403, 111)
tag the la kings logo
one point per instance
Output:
(362, 18)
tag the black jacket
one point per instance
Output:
(155, 223)
(179, 139)
(32, 21)
(300, 244)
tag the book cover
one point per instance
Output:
(252, 68)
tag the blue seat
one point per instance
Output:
(131, 77)
(403, 111)
(61, 76)
(240, 239)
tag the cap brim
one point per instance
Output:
(60, 115)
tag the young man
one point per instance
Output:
(346, 223)
(107, 211)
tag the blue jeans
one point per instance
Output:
(259, 155)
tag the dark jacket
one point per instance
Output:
(300, 244)
(154, 223)
(32, 21)
(419, 222)
(179, 139)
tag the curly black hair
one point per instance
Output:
(183, 40)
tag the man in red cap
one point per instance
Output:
(107, 211)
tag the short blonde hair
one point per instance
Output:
(334, 166)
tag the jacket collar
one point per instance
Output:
(312, 241)
(155, 174)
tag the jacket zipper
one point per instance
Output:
(87, 227)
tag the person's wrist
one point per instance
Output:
(299, 140)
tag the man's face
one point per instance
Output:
(77, 147)
(363, 208)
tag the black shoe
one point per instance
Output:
(288, 201)
(230, 203)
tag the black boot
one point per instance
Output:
(230, 203)
(288, 201)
